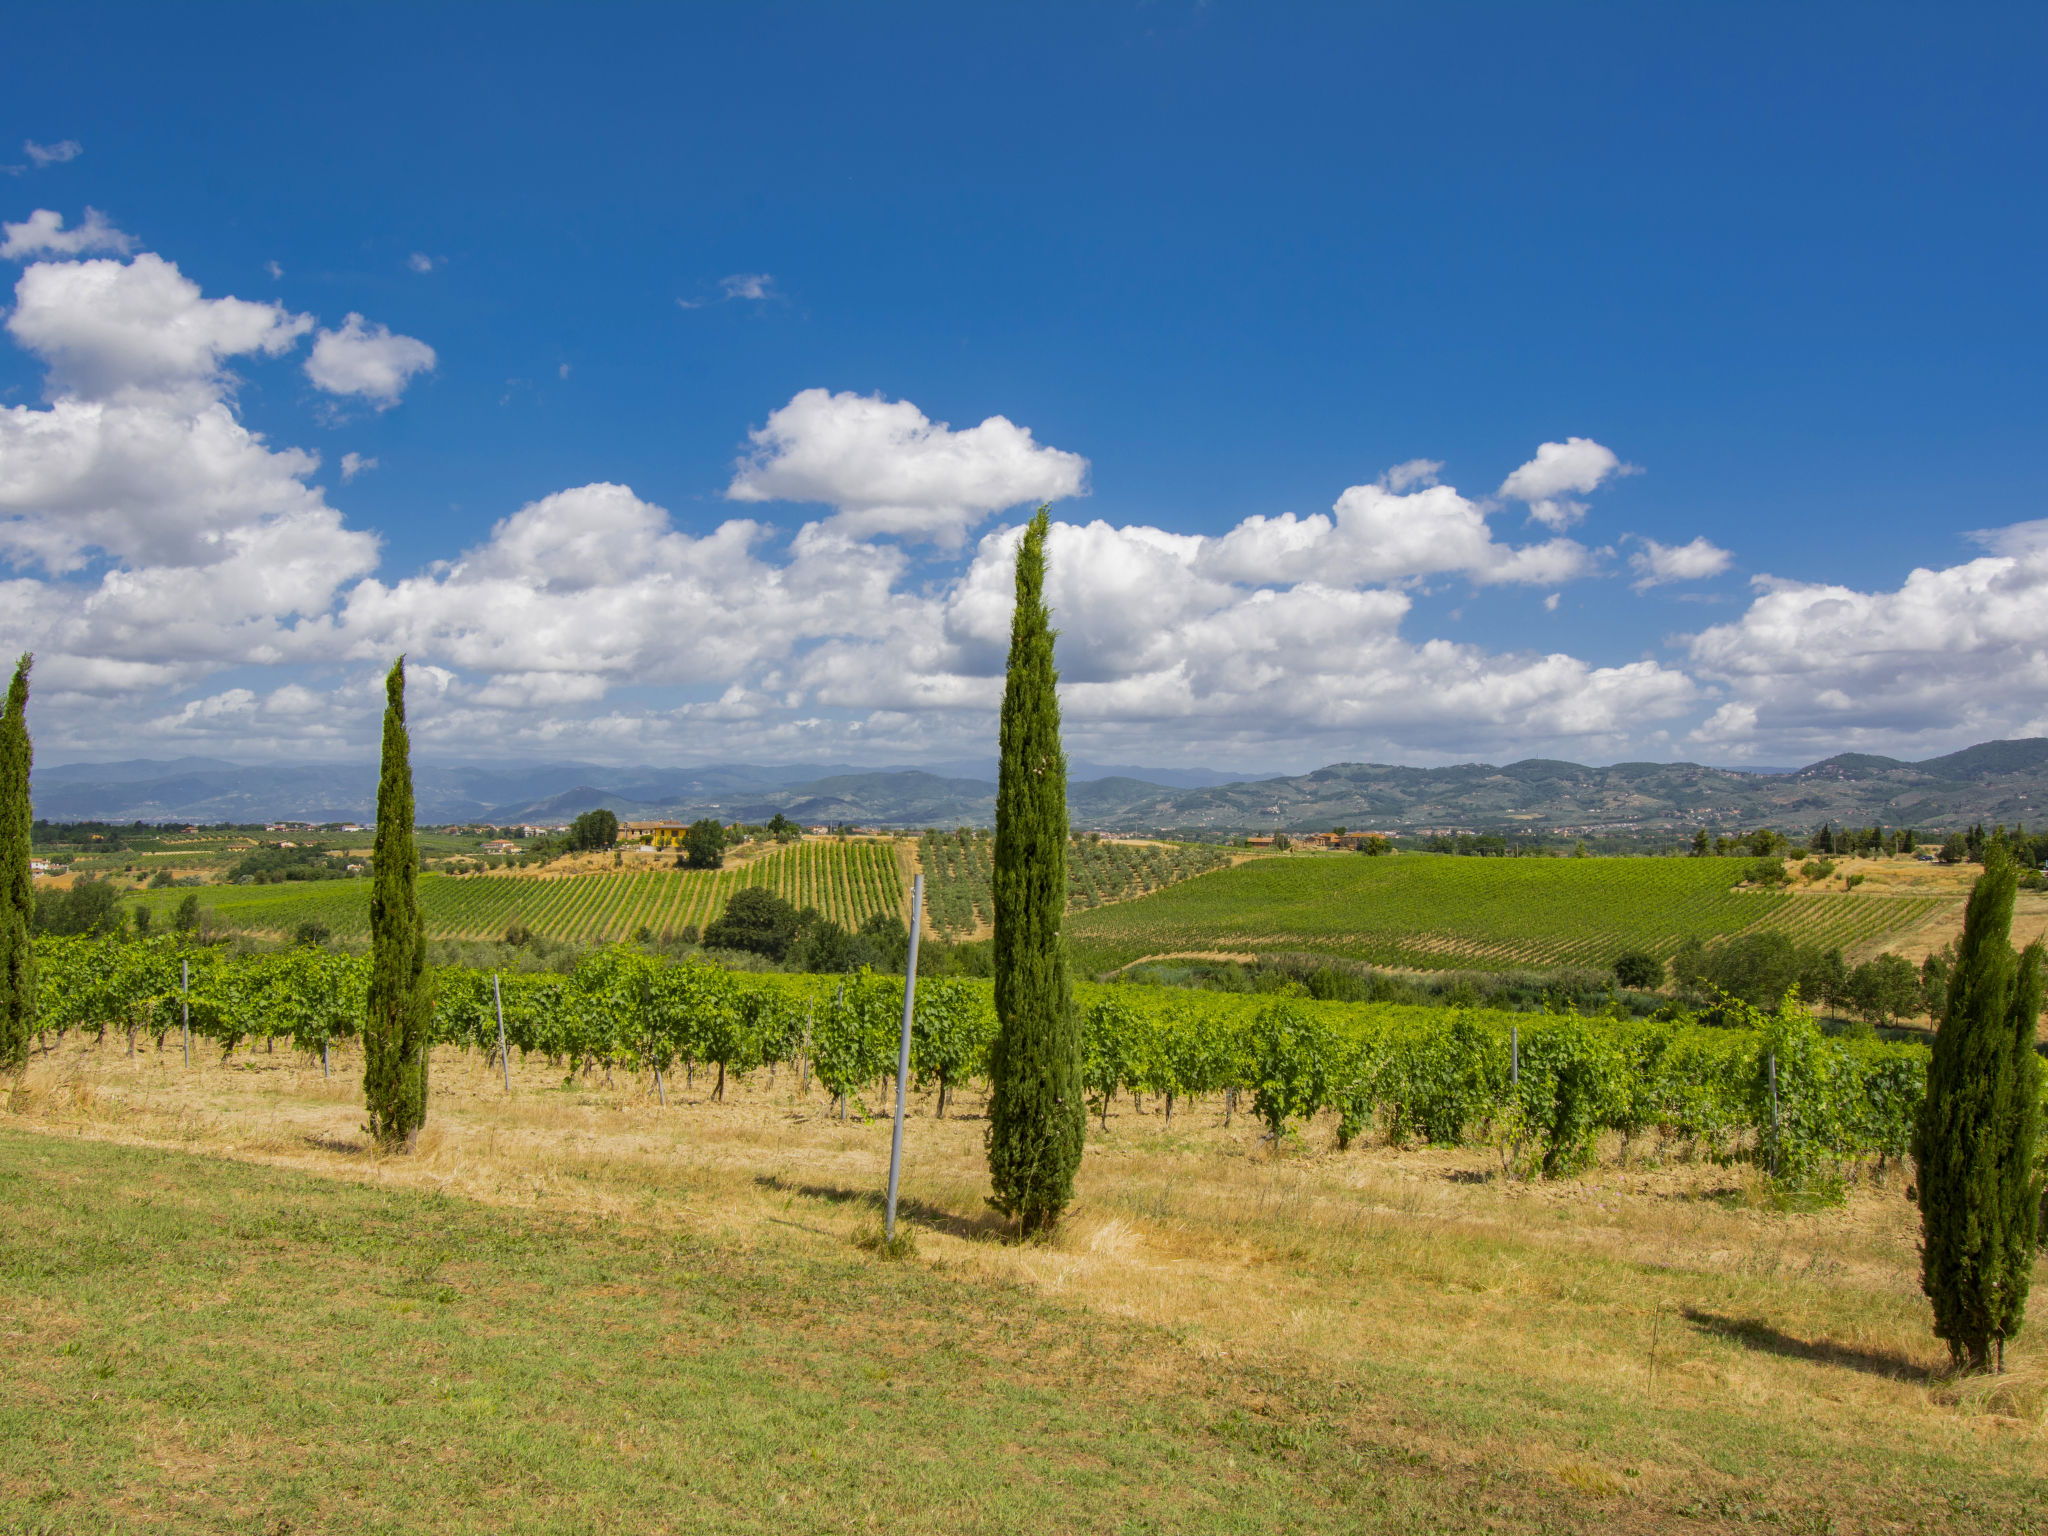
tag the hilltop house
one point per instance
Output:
(655, 834)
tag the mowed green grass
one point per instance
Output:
(195, 1344)
(1438, 911)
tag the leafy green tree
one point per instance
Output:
(1886, 988)
(1934, 974)
(1823, 977)
(1975, 1144)
(1768, 873)
(593, 831)
(90, 906)
(399, 1005)
(186, 917)
(1955, 848)
(889, 937)
(704, 843)
(1700, 845)
(1639, 968)
(756, 920)
(1037, 1117)
(1758, 968)
(17, 884)
(782, 829)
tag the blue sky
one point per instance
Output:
(1784, 266)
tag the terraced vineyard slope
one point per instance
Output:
(845, 880)
(1441, 912)
(957, 867)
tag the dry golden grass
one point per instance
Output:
(1653, 1334)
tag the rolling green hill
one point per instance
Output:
(1439, 912)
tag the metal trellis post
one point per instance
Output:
(504, 1060)
(903, 1051)
(1773, 1061)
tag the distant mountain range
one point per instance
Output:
(1997, 781)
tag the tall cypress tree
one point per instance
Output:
(395, 1034)
(1036, 1115)
(1974, 1144)
(17, 885)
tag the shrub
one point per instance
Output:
(1639, 968)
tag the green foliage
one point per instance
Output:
(704, 843)
(398, 1013)
(950, 1030)
(1418, 1070)
(274, 865)
(17, 883)
(1757, 968)
(593, 831)
(755, 920)
(1292, 1053)
(1977, 1138)
(1572, 1084)
(1439, 1081)
(1885, 989)
(1037, 1119)
(1769, 873)
(854, 1038)
(90, 906)
(1640, 969)
(1109, 1056)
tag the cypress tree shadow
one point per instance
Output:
(1755, 1333)
(935, 1217)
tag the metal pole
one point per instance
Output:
(1514, 1053)
(803, 1082)
(1774, 1113)
(185, 1004)
(903, 1050)
(505, 1061)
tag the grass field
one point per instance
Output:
(846, 881)
(1438, 911)
(573, 1309)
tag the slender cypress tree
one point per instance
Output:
(17, 885)
(400, 1008)
(1037, 1117)
(1975, 1141)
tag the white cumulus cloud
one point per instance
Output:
(112, 330)
(1953, 655)
(1373, 533)
(353, 464)
(1656, 564)
(887, 468)
(368, 361)
(748, 285)
(43, 233)
(1573, 467)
